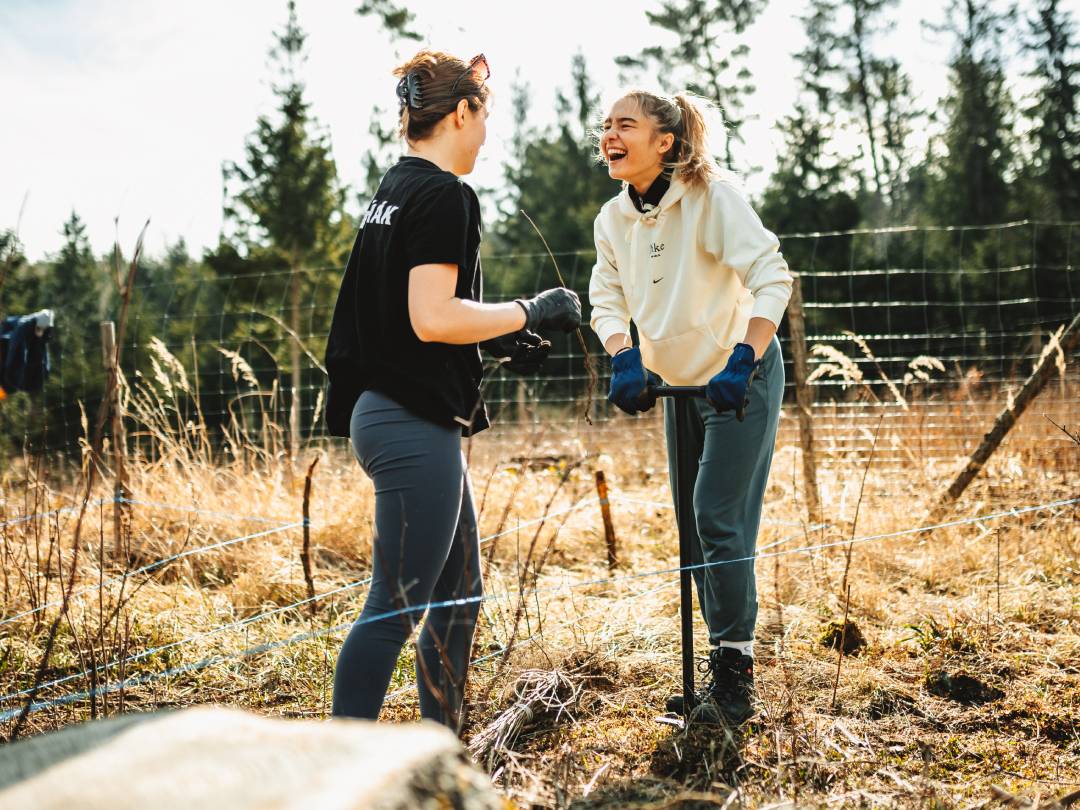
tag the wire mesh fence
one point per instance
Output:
(933, 326)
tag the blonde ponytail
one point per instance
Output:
(693, 159)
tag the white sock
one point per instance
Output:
(744, 647)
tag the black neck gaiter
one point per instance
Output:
(653, 194)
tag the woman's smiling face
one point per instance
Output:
(631, 144)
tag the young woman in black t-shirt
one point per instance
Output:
(405, 375)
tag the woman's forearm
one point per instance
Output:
(437, 315)
(759, 333)
(459, 321)
(616, 342)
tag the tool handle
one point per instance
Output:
(677, 391)
(687, 392)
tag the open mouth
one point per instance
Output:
(614, 155)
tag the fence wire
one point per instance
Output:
(934, 324)
(518, 593)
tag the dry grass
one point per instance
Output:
(966, 681)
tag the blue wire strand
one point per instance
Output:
(259, 617)
(154, 566)
(62, 511)
(463, 601)
(194, 510)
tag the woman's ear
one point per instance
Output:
(459, 116)
(667, 140)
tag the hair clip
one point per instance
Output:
(408, 92)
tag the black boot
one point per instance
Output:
(727, 695)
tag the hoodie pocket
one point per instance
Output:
(687, 359)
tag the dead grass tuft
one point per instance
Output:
(965, 678)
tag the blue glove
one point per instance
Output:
(630, 381)
(730, 389)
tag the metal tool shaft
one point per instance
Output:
(679, 391)
(687, 392)
(687, 535)
(686, 614)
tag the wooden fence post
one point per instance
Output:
(1006, 419)
(804, 398)
(305, 552)
(609, 525)
(522, 410)
(120, 483)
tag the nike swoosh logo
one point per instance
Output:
(657, 280)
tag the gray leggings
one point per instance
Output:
(425, 549)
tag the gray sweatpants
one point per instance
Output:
(426, 549)
(718, 485)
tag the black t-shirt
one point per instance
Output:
(420, 215)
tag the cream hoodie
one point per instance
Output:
(690, 273)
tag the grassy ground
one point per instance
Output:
(960, 677)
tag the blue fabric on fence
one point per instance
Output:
(25, 353)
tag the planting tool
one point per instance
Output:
(686, 537)
(694, 391)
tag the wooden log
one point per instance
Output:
(121, 491)
(609, 525)
(305, 552)
(804, 398)
(1006, 419)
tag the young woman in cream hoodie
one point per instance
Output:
(682, 254)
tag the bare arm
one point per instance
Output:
(439, 316)
(759, 333)
(617, 342)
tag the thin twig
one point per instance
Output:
(305, 554)
(1074, 436)
(590, 363)
(845, 586)
(92, 470)
(858, 503)
(843, 641)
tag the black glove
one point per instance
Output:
(521, 352)
(558, 308)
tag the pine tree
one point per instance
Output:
(396, 20)
(859, 95)
(704, 60)
(1053, 113)
(971, 184)
(897, 119)
(11, 256)
(284, 200)
(557, 179)
(397, 23)
(875, 97)
(73, 286)
(811, 188)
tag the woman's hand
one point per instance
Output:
(728, 390)
(520, 352)
(630, 382)
(558, 308)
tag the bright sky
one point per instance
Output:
(127, 108)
